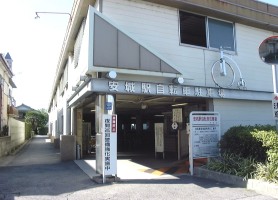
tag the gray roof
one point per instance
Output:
(8, 56)
(24, 107)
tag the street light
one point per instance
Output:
(59, 13)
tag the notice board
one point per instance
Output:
(204, 135)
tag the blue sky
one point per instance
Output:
(35, 45)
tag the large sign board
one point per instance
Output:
(204, 135)
(110, 144)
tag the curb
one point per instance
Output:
(263, 187)
(258, 186)
(20, 147)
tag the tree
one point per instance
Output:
(37, 118)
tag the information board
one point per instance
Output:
(204, 135)
(177, 114)
(159, 137)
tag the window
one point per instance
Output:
(206, 32)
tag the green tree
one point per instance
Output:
(37, 118)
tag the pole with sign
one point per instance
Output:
(275, 105)
(268, 52)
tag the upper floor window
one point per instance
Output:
(206, 32)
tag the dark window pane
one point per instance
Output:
(221, 34)
(192, 29)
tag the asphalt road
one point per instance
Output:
(36, 172)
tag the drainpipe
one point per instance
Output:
(100, 5)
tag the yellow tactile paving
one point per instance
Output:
(160, 171)
(180, 168)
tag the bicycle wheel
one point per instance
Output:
(220, 79)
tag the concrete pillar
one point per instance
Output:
(67, 147)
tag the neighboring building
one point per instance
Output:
(130, 57)
(7, 102)
(22, 110)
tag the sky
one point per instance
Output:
(35, 45)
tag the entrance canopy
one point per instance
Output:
(111, 47)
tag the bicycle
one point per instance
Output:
(223, 73)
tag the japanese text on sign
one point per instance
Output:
(275, 105)
(205, 134)
(162, 89)
(110, 144)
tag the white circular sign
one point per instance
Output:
(175, 125)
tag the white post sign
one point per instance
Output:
(110, 144)
(159, 138)
(275, 105)
(204, 135)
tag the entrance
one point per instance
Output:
(137, 116)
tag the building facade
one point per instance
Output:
(143, 59)
(7, 102)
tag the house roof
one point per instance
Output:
(8, 56)
(24, 108)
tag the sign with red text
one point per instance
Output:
(110, 144)
(205, 134)
(275, 105)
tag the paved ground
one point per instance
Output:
(36, 172)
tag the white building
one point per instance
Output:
(145, 47)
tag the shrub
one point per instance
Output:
(266, 172)
(43, 131)
(239, 140)
(233, 164)
(249, 151)
(269, 170)
(28, 131)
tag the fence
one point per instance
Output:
(16, 137)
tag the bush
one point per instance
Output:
(239, 140)
(269, 170)
(28, 131)
(249, 151)
(43, 131)
(234, 165)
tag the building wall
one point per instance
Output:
(17, 132)
(59, 112)
(15, 139)
(158, 27)
(239, 112)
(5, 96)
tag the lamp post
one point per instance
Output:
(59, 13)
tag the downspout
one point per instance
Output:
(100, 5)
